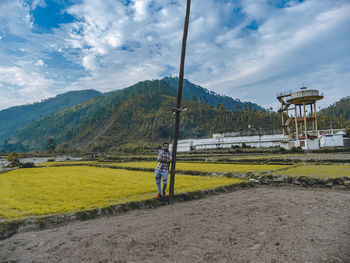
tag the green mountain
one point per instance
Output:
(197, 93)
(15, 118)
(336, 115)
(140, 114)
(339, 109)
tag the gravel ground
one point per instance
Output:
(263, 224)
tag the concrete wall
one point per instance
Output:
(222, 141)
(332, 140)
(277, 140)
(313, 144)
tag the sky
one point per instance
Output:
(245, 49)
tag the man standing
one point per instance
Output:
(162, 170)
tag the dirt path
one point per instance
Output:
(265, 224)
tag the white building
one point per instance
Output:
(228, 140)
(331, 139)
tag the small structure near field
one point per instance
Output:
(228, 140)
(299, 117)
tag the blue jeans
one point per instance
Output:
(159, 175)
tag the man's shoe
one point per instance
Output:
(158, 196)
(163, 195)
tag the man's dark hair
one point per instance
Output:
(165, 143)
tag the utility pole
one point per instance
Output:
(177, 110)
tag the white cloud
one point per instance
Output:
(294, 43)
(141, 10)
(29, 82)
(112, 45)
(36, 3)
(19, 86)
(89, 62)
(15, 18)
(39, 63)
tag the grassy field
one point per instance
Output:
(50, 190)
(207, 167)
(319, 171)
(48, 164)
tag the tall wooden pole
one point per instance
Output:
(178, 104)
(296, 123)
(305, 124)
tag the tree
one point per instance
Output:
(14, 159)
(347, 131)
(199, 132)
(50, 145)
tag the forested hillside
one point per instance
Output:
(197, 93)
(136, 115)
(336, 116)
(14, 118)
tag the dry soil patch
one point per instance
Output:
(263, 224)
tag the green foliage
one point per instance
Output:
(339, 109)
(281, 150)
(296, 150)
(337, 115)
(50, 145)
(7, 147)
(27, 165)
(14, 159)
(347, 131)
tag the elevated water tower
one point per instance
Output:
(303, 125)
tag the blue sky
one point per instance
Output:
(246, 49)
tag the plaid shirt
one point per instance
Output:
(163, 167)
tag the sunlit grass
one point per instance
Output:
(207, 167)
(51, 190)
(48, 164)
(319, 171)
(273, 156)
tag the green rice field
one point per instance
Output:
(50, 190)
(207, 167)
(319, 171)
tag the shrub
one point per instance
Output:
(347, 131)
(281, 150)
(27, 165)
(296, 150)
(14, 159)
(235, 147)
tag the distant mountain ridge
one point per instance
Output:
(339, 109)
(336, 115)
(132, 116)
(138, 115)
(15, 118)
(198, 93)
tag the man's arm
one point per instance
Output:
(160, 157)
(166, 160)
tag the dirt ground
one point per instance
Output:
(263, 224)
